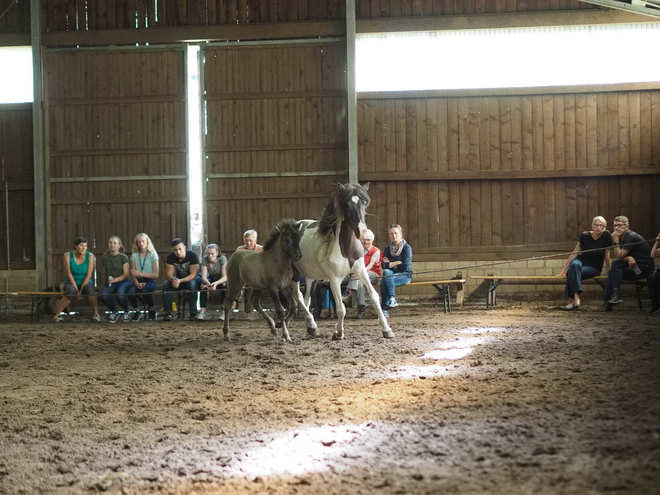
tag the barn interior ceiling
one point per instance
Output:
(645, 7)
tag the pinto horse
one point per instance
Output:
(269, 271)
(331, 249)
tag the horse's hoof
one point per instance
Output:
(388, 335)
(337, 336)
(311, 332)
(278, 324)
(226, 337)
(273, 331)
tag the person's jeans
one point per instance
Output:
(115, 291)
(389, 281)
(145, 293)
(621, 271)
(191, 285)
(575, 274)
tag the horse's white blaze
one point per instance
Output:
(355, 199)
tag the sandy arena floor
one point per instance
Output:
(507, 401)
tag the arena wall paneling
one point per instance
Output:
(116, 147)
(276, 141)
(521, 169)
(17, 240)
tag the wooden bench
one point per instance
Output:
(442, 286)
(36, 299)
(495, 280)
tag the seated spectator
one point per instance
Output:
(143, 274)
(214, 276)
(115, 267)
(631, 260)
(372, 262)
(321, 292)
(397, 268)
(581, 266)
(250, 244)
(654, 283)
(182, 267)
(78, 272)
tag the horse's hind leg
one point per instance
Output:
(304, 306)
(256, 303)
(362, 274)
(232, 292)
(274, 294)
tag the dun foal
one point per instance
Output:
(268, 271)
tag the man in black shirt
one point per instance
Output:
(631, 260)
(182, 271)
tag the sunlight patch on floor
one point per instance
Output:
(303, 451)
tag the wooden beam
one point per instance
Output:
(15, 39)
(507, 174)
(643, 9)
(537, 90)
(270, 31)
(498, 21)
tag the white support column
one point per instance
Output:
(351, 94)
(40, 241)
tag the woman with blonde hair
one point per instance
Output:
(582, 265)
(144, 275)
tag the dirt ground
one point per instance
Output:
(504, 401)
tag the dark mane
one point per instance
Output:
(336, 206)
(286, 224)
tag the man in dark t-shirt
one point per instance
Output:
(631, 260)
(182, 271)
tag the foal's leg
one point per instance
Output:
(232, 292)
(275, 295)
(255, 300)
(303, 304)
(363, 275)
(335, 285)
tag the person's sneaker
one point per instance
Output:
(605, 307)
(361, 311)
(222, 316)
(58, 319)
(616, 298)
(136, 316)
(386, 313)
(127, 316)
(200, 316)
(167, 317)
(113, 317)
(152, 315)
(392, 303)
(193, 317)
(96, 319)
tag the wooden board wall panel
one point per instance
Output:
(114, 116)
(273, 110)
(17, 234)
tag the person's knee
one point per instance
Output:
(89, 290)
(70, 290)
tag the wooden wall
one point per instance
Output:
(116, 147)
(276, 137)
(482, 173)
(81, 15)
(16, 188)
(388, 8)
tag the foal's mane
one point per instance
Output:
(335, 209)
(286, 224)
